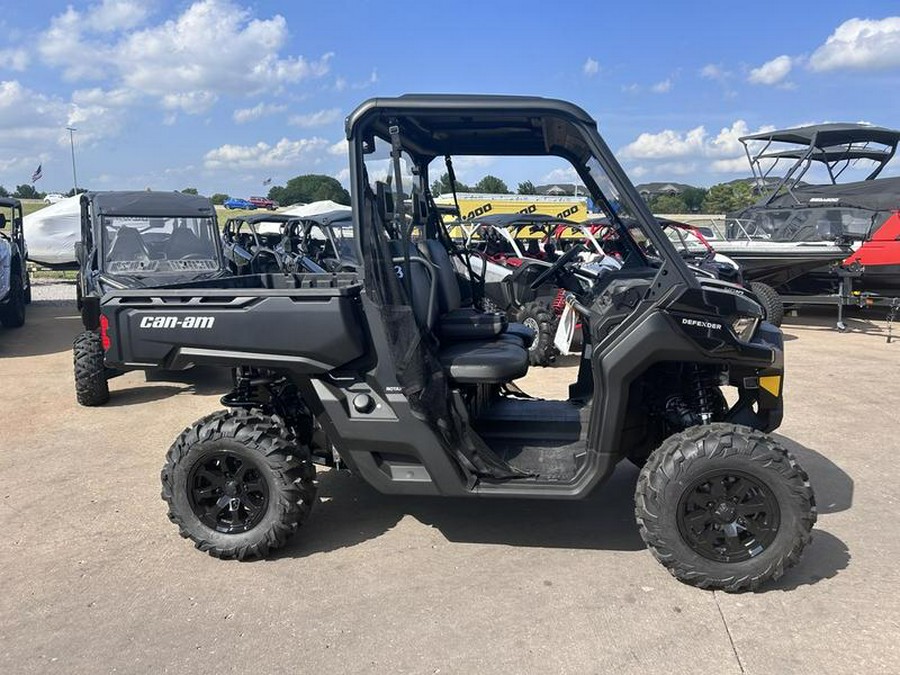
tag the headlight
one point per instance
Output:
(744, 327)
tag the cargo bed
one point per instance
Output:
(310, 323)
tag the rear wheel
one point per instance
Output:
(538, 317)
(238, 484)
(91, 386)
(724, 507)
(12, 314)
(770, 300)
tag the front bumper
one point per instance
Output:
(760, 402)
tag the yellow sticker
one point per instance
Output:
(771, 383)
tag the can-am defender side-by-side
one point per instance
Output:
(15, 284)
(348, 368)
(133, 240)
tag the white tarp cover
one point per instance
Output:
(51, 233)
(313, 209)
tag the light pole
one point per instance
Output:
(72, 131)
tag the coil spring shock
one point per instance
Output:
(559, 302)
(703, 380)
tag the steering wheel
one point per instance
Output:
(555, 268)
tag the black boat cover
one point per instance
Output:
(882, 194)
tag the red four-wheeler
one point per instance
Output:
(356, 369)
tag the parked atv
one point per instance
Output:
(15, 284)
(136, 240)
(348, 369)
(326, 238)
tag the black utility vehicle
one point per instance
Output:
(327, 238)
(360, 369)
(133, 240)
(15, 285)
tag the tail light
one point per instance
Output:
(104, 332)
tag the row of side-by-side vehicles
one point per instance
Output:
(385, 341)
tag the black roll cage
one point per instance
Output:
(434, 126)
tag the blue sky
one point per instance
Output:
(220, 95)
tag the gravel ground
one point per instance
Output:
(97, 580)
(52, 291)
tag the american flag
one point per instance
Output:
(37, 174)
(267, 181)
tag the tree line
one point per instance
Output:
(721, 198)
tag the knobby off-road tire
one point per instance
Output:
(238, 484)
(771, 301)
(539, 318)
(702, 478)
(91, 386)
(12, 314)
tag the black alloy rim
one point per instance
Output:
(728, 516)
(228, 493)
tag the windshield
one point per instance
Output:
(141, 245)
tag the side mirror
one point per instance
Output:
(79, 252)
(2, 221)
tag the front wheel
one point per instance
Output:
(91, 386)
(238, 484)
(724, 507)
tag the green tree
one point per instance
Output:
(26, 191)
(728, 197)
(693, 198)
(442, 186)
(218, 198)
(491, 185)
(189, 191)
(526, 188)
(310, 188)
(4, 192)
(667, 204)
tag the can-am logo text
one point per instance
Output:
(702, 324)
(177, 322)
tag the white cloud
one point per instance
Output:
(317, 119)
(591, 67)
(771, 72)
(681, 153)
(339, 149)
(175, 61)
(714, 71)
(260, 110)
(860, 44)
(114, 15)
(631, 88)
(302, 153)
(13, 59)
(665, 144)
(662, 87)
(561, 175)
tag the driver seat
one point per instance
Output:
(128, 245)
(456, 322)
(473, 361)
(183, 243)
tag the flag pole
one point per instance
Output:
(72, 130)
